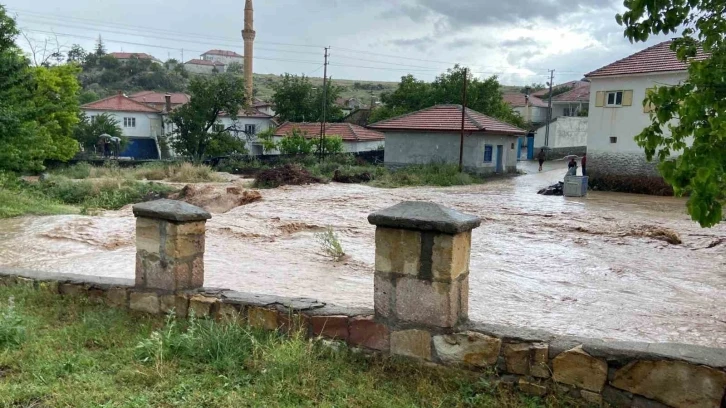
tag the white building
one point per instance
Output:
(198, 66)
(142, 124)
(124, 57)
(530, 108)
(356, 139)
(617, 111)
(568, 128)
(247, 126)
(222, 56)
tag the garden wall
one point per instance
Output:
(421, 304)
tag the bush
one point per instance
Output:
(80, 170)
(106, 193)
(330, 244)
(286, 175)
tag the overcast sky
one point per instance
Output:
(518, 40)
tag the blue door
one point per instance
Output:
(500, 155)
(520, 140)
(530, 147)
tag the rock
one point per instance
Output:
(228, 312)
(147, 302)
(170, 210)
(411, 343)
(72, 289)
(673, 383)
(539, 367)
(179, 304)
(575, 367)
(430, 303)
(332, 327)
(468, 349)
(424, 216)
(616, 397)
(117, 297)
(365, 332)
(398, 251)
(532, 388)
(261, 318)
(201, 306)
(591, 397)
(517, 358)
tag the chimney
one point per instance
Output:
(167, 98)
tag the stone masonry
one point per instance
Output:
(169, 245)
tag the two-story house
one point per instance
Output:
(223, 56)
(618, 112)
(568, 125)
(248, 124)
(141, 123)
(199, 66)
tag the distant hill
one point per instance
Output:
(358, 89)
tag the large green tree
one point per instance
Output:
(297, 100)
(38, 107)
(193, 129)
(88, 130)
(688, 119)
(483, 96)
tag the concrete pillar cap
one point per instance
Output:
(424, 216)
(170, 210)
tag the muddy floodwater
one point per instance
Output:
(599, 266)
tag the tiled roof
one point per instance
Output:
(347, 131)
(577, 94)
(658, 58)
(203, 62)
(159, 97)
(127, 55)
(223, 53)
(447, 118)
(119, 103)
(249, 113)
(517, 99)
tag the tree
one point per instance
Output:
(331, 144)
(225, 144)
(692, 110)
(295, 143)
(100, 50)
(193, 122)
(76, 55)
(88, 130)
(295, 100)
(533, 87)
(235, 68)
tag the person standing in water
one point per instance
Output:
(541, 157)
(583, 163)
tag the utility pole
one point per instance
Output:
(463, 119)
(182, 50)
(549, 109)
(325, 105)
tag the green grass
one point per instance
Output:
(68, 352)
(173, 172)
(15, 203)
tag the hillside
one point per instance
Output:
(360, 90)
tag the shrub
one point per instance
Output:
(330, 244)
(80, 170)
(12, 329)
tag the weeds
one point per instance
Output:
(12, 330)
(330, 244)
(174, 172)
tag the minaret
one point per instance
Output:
(248, 34)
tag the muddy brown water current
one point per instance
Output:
(570, 266)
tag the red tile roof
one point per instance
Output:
(127, 55)
(347, 131)
(204, 62)
(658, 58)
(447, 118)
(577, 94)
(119, 103)
(223, 53)
(249, 113)
(159, 97)
(517, 99)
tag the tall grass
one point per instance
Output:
(173, 172)
(12, 328)
(107, 194)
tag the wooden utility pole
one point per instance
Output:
(325, 105)
(549, 109)
(463, 119)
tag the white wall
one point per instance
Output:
(363, 146)
(622, 122)
(536, 114)
(564, 132)
(223, 59)
(261, 124)
(147, 124)
(558, 109)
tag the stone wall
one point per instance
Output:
(626, 173)
(420, 312)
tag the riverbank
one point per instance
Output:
(70, 352)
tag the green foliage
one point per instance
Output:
(534, 87)
(331, 144)
(267, 140)
(87, 131)
(193, 122)
(235, 68)
(105, 194)
(12, 328)
(330, 244)
(295, 143)
(225, 144)
(296, 100)
(692, 110)
(483, 96)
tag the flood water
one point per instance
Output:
(569, 266)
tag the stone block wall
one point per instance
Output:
(626, 173)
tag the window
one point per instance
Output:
(218, 127)
(129, 122)
(613, 140)
(570, 111)
(615, 98)
(512, 146)
(487, 153)
(250, 129)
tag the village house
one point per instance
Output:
(124, 57)
(198, 66)
(618, 113)
(264, 106)
(142, 124)
(568, 127)
(356, 139)
(248, 124)
(222, 56)
(157, 100)
(433, 135)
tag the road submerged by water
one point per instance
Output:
(595, 266)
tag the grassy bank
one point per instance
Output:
(67, 352)
(172, 172)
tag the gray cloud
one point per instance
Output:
(519, 42)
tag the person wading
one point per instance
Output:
(541, 157)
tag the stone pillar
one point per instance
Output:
(422, 265)
(169, 245)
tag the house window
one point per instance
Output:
(129, 122)
(250, 129)
(613, 140)
(615, 98)
(570, 111)
(487, 153)
(218, 127)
